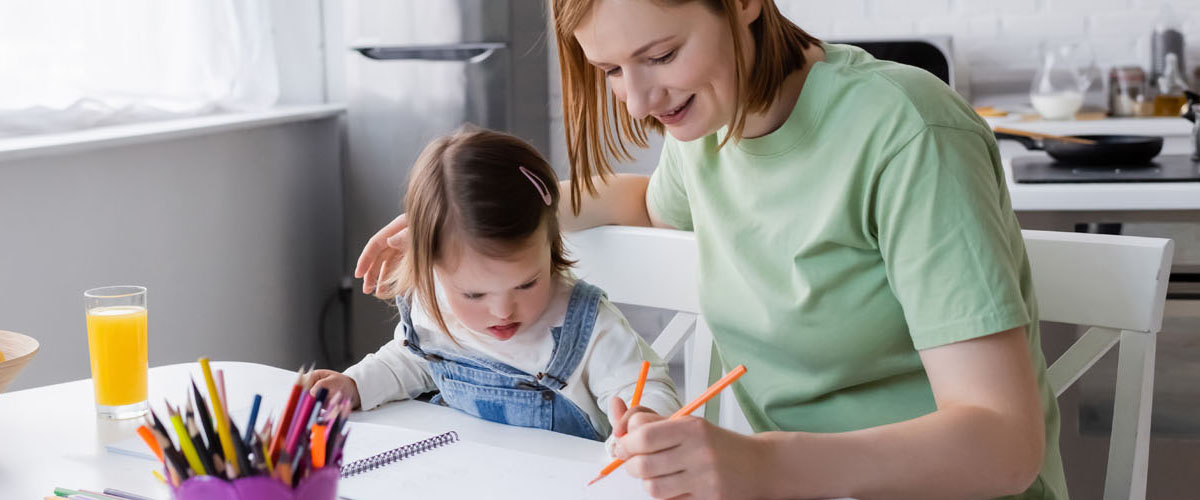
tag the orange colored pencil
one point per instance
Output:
(641, 384)
(150, 440)
(712, 390)
(318, 446)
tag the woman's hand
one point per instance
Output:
(687, 457)
(335, 382)
(382, 253)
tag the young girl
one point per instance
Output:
(490, 315)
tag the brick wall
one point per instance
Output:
(995, 38)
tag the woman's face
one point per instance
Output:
(673, 63)
(495, 296)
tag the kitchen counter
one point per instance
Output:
(1106, 202)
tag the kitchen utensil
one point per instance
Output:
(18, 352)
(1039, 135)
(1109, 149)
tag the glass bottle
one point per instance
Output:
(1170, 99)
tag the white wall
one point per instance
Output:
(994, 37)
(236, 234)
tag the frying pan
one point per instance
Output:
(1109, 150)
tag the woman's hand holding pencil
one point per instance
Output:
(650, 435)
(683, 456)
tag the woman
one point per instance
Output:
(859, 253)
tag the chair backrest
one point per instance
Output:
(658, 268)
(1115, 285)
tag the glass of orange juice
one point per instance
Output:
(116, 328)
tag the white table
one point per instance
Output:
(51, 437)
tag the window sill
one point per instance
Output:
(121, 135)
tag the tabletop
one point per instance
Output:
(51, 436)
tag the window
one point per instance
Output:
(71, 64)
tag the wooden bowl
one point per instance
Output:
(18, 351)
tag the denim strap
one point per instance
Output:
(572, 338)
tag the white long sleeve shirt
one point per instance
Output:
(609, 367)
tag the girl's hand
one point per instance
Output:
(335, 382)
(689, 457)
(619, 415)
(382, 253)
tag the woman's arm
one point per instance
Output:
(986, 439)
(620, 201)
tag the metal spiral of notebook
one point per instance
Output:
(397, 454)
(1165, 168)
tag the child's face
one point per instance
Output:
(497, 296)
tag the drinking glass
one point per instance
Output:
(116, 329)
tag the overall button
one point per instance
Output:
(548, 395)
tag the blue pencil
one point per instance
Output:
(253, 417)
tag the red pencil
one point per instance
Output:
(286, 420)
(712, 390)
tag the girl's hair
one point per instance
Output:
(779, 50)
(469, 189)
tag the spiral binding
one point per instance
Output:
(397, 454)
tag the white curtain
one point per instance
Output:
(72, 64)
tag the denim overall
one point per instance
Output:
(494, 391)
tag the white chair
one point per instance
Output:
(1115, 285)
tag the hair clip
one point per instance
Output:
(538, 184)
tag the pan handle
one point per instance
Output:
(1029, 142)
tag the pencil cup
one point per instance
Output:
(117, 347)
(319, 485)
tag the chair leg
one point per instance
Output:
(1129, 446)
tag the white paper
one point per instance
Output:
(471, 470)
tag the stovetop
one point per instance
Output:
(1165, 168)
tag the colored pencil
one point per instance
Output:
(708, 394)
(210, 435)
(299, 423)
(285, 419)
(148, 437)
(641, 384)
(222, 420)
(185, 442)
(318, 446)
(253, 417)
(124, 494)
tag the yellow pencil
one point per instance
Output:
(185, 442)
(159, 476)
(712, 390)
(219, 414)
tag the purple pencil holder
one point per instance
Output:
(319, 485)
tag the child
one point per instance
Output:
(490, 315)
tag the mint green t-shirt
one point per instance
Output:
(873, 223)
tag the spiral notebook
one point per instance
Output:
(396, 454)
(384, 462)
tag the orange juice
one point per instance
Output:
(117, 344)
